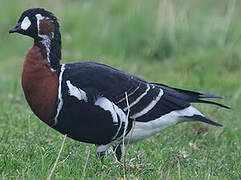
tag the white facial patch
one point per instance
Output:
(25, 23)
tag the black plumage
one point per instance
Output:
(92, 123)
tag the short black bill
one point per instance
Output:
(15, 28)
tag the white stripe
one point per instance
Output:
(142, 130)
(149, 107)
(123, 119)
(115, 111)
(129, 94)
(189, 111)
(39, 17)
(105, 104)
(46, 39)
(60, 103)
(139, 98)
(76, 92)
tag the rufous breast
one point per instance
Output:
(40, 85)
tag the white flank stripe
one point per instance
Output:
(115, 111)
(105, 104)
(149, 107)
(189, 111)
(76, 92)
(123, 118)
(60, 100)
(142, 130)
(128, 94)
(139, 98)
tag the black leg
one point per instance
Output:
(117, 150)
(100, 155)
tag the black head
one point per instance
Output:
(41, 25)
(36, 23)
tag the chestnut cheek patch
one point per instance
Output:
(46, 27)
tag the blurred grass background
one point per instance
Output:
(187, 44)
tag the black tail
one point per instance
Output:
(204, 119)
(198, 97)
(193, 97)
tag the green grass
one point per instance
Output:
(186, 44)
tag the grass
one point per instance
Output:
(186, 44)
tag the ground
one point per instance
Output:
(186, 44)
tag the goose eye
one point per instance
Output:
(25, 23)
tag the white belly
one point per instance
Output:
(142, 130)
